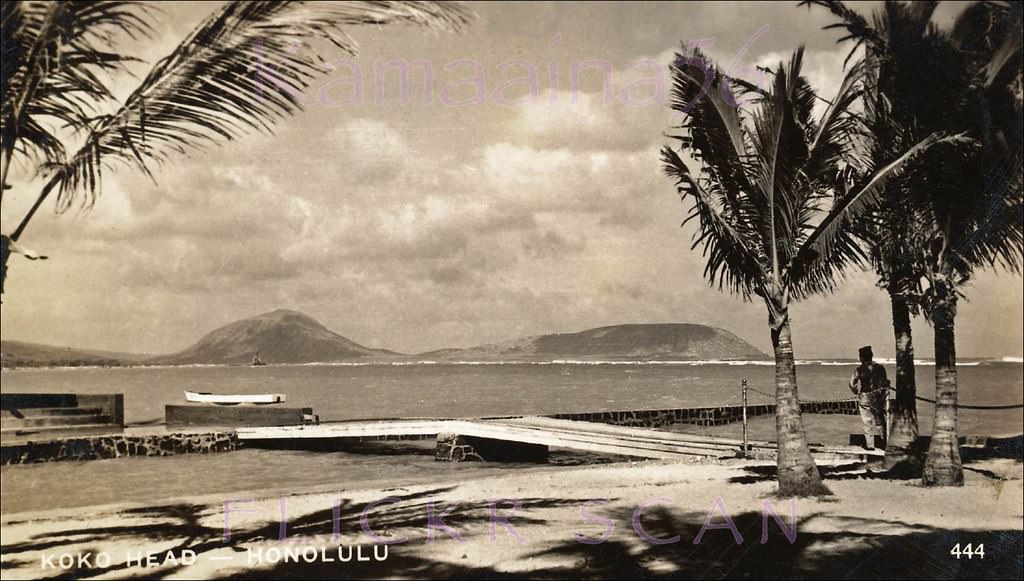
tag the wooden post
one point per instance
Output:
(744, 453)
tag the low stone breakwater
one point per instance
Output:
(704, 416)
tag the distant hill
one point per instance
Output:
(21, 354)
(280, 336)
(664, 342)
(285, 336)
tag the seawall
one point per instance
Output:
(106, 446)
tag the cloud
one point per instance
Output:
(560, 112)
(211, 228)
(413, 226)
(367, 150)
(629, 120)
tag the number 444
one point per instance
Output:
(968, 551)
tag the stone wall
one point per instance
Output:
(118, 446)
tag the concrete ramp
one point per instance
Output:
(540, 431)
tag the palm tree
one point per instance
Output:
(905, 65)
(242, 69)
(974, 215)
(960, 208)
(773, 217)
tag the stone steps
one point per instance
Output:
(17, 435)
(46, 412)
(59, 421)
(35, 417)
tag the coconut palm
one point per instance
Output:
(242, 69)
(909, 62)
(960, 208)
(773, 217)
(974, 215)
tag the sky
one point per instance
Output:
(494, 198)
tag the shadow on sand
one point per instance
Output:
(860, 549)
(1009, 448)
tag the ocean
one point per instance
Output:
(365, 391)
(338, 392)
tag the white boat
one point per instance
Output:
(256, 398)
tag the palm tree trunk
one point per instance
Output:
(5, 253)
(798, 474)
(943, 467)
(900, 454)
(52, 183)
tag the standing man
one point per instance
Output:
(871, 386)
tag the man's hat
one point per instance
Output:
(865, 350)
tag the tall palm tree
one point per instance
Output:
(773, 217)
(242, 69)
(908, 61)
(960, 208)
(975, 213)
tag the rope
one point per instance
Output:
(975, 407)
(917, 397)
(771, 395)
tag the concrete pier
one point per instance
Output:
(235, 415)
(510, 439)
(527, 438)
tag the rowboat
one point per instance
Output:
(256, 398)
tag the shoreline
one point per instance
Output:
(556, 506)
(832, 361)
(157, 479)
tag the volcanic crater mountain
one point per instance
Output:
(280, 336)
(643, 342)
(285, 336)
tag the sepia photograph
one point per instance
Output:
(512, 290)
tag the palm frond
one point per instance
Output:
(714, 128)
(918, 14)
(830, 243)
(14, 42)
(998, 238)
(780, 144)
(37, 142)
(728, 246)
(839, 139)
(972, 202)
(52, 54)
(241, 70)
(857, 28)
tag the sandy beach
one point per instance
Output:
(628, 519)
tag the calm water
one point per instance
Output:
(378, 391)
(337, 392)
